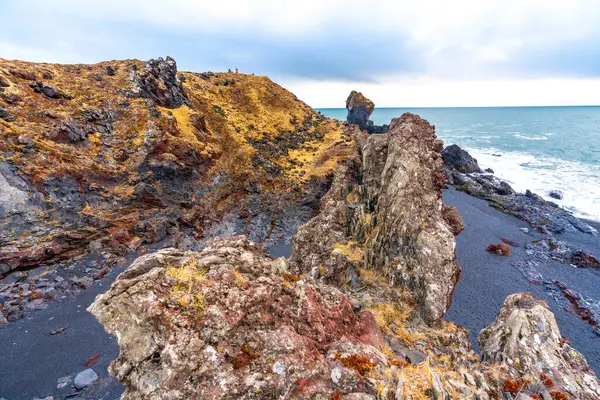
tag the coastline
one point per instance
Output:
(487, 279)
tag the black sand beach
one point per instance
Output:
(487, 278)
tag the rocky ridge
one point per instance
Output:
(354, 314)
(119, 155)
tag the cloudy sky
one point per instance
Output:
(399, 53)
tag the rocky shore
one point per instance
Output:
(218, 169)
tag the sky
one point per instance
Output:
(426, 53)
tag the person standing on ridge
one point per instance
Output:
(236, 70)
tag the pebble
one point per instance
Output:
(64, 382)
(85, 378)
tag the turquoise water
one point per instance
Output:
(536, 148)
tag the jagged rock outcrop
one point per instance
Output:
(229, 323)
(408, 237)
(526, 339)
(158, 81)
(359, 110)
(393, 219)
(460, 160)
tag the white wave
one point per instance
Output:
(579, 182)
(530, 137)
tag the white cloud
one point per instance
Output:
(426, 92)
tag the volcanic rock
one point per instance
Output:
(556, 194)
(6, 115)
(584, 259)
(460, 160)
(526, 339)
(49, 91)
(359, 110)
(244, 329)
(395, 216)
(70, 132)
(158, 81)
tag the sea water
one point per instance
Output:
(535, 148)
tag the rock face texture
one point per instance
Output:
(158, 81)
(395, 215)
(359, 110)
(229, 323)
(526, 338)
(460, 160)
(155, 154)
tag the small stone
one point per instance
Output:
(85, 378)
(556, 194)
(64, 382)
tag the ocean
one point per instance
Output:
(535, 148)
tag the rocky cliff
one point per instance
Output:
(125, 153)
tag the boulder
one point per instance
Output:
(584, 259)
(28, 76)
(85, 378)
(70, 132)
(158, 81)
(4, 82)
(228, 323)
(6, 115)
(556, 194)
(460, 160)
(359, 110)
(49, 91)
(525, 338)
(453, 219)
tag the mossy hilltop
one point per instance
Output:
(134, 148)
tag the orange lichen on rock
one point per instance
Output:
(556, 395)
(244, 357)
(546, 380)
(514, 386)
(500, 249)
(363, 365)
(291, 278)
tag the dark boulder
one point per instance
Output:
(556, 194)
(110, 71)
(70, 132)
(28, 76)
(6, 115)
(460, 160)
(359, 110)
(49, 91)
(158, 81)
(3, 82)
(584, 259)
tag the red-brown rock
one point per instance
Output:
(453, 219)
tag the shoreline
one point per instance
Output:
(487, 279)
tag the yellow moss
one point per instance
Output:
(371, 277)
(351, 250)
(352, 197)
(240, 280)
(186, 292)
(389, 313)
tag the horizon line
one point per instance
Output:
(413, 107)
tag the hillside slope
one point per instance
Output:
(125, 151)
